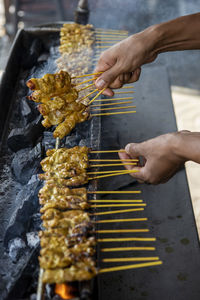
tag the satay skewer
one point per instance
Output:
(126, 259)
(113, 108)
(96, 96)
(128, 239)
(111, 30)
(135, 266)
(122, 220)
(116, 201)
(111, 160)
(107, 172)
(115, 113)
(112, 165)
(117, 211)
(114, 192)
(117, 205)
(112, 174)
(121, 230)
(110, 104)
(118, 249)
(114, 99)
(86, 75)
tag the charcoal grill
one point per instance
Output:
(33, 54)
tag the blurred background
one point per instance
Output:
(133, 15)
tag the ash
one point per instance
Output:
(32, 239)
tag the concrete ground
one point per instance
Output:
(183, 67)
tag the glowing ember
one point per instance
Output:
(64, 290)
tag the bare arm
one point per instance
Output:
(122, 62)
(163, 155)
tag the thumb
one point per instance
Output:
(107, 77)
(134, 149)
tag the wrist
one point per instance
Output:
(177, 145)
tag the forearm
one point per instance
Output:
(187, 145)
(179, 34)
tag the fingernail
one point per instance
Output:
(100, 83)
(127, 148)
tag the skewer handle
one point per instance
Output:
(40, 286)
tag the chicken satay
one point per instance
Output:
(63, 155)
(69, 123)
(78, 272)
(50, 85)
(54, 218)
(49, 192)
(52, 196)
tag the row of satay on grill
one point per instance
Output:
(61, 103)
(76, 48)
(67, 241)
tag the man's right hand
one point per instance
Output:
(122, 62)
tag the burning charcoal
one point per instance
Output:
(35, 222)
(16, 248)
(48, 140)
(32, 239)
(28, 111)
(25, 163)
(27, 206)
(84, 142)
(20, 138)
(71, 141)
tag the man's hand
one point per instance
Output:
(161, 157)
(122, 62)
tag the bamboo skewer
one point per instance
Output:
(40, 285)
(117, 211)
(113, 113)
(89, 94)
(107, 151)
(121, 230)
(114, 99)
(106, 38)
(122, 220)
(117, 32)
(111, 104)
(135, 266)
(117, 205)
(97, 96)
(86, 87)
(110, 160)
(85, 81)
(86, 75)
(113, 108)
(125, 259)
(131, 239)
(113, 165)
(107, 172)
(124, 92)
(115, 201)
(112, 174)
(104, 42)
(110, 30)
(102, 47)
(114, 192)
(116, 249)
(120, 36)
